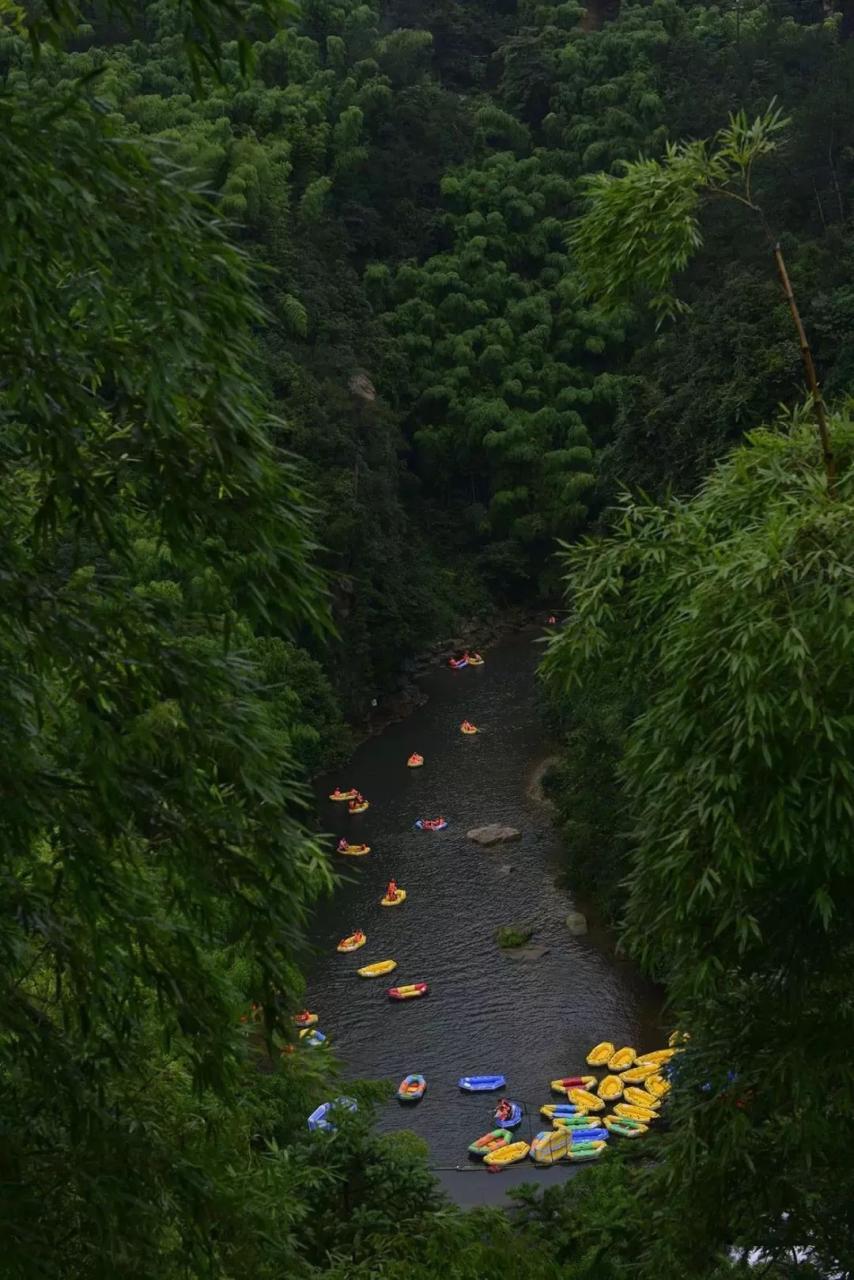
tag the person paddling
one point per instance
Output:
(391, 891)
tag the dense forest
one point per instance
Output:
(324, 330)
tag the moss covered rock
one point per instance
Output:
(513, 935)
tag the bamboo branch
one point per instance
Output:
(812, 380)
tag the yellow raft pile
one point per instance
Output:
(634, 1083)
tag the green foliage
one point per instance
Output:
(152, 831)
(733, 613)
(584, 787)
(642, 228)
(495, 347)
(399, 183)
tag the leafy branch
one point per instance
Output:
(643, 227)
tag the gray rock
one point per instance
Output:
(505, 870)
(493, 833)
(361, 386)
(576, 923)
(532, 952)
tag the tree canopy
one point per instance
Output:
(321, 328)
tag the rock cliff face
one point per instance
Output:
(599, 12)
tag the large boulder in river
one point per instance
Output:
(494, 833)
(576, 923)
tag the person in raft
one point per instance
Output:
(552, 619)
(503, 1109)
(391, 891)
(467, 724)
(343, 845)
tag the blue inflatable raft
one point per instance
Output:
(590, 1135)
(513, 1120)
(319, 1120)
(481, 1084)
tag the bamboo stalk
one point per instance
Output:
(812, 380)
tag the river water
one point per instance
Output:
(530, 1020)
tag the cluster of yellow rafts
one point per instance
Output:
(634, 1082)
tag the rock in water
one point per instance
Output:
(513, 935)
(576, 923)
(506, 869)
(532, 952)
(494, 833)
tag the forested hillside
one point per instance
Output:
(304, 357)
(407, 180)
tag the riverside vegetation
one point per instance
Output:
(305, 352)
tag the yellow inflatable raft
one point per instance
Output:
(622, 1059)
(624, 1127)
(548, 1148)
(468, 728)
(409, 991)
(393, 902)
(358, 808)
(338, 794)
(610, 1088)
(657, 1086)
(354, 850)
(588, 1101)
(587, 1150)
(353, 942)
(637, 1075)
(656, 1058)
(507, 1155)
(635, 1113)
(598, 1056)
(553, 1109)
(378, 969)
(640, 1098)
(565, 1083)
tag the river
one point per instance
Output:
(530, 1020)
